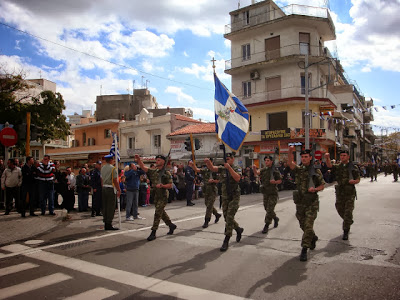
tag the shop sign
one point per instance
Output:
(267, 135)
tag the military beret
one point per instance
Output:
(230, 155)
(160, 156)
(344, 151)
(268, 157)
(307, 151)
(109, 156)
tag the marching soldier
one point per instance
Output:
(347, 176)
(270, 178)
(395, 170)
(309, 182)
(230, 196)
(210, 180)
(161, 180)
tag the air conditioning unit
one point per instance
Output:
(75, 143)
(254, 75)
(91, 142)
(253, 155)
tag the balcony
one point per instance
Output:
(368, 116)
(273, 56)
(264, 14)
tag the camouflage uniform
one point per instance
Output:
(230, 199)
(307, 204)
(395, 170)
(210, 191)
(270, 192)
(345, 192)
(157, 176)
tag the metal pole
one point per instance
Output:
(28, 134)
(306, 112)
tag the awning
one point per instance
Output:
(69, 156)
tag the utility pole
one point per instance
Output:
(28, 134)
(306, 112)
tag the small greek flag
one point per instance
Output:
(231, 117)
(114, 146)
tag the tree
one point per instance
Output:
(16, 99)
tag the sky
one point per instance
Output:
(112, 46)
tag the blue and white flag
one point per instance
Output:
(114, 146)
(231, 117)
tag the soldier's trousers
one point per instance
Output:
(160, 213)
(209, 199)
(230, 205)
(108, 202)
(395, 176)
(270, 201)
(306, 214)
(345, 206)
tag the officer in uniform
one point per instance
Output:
(309, 182)
(270, 178)
(230, 196)
(110, 186)
(347, 176)
(210, 180)
(161, 181)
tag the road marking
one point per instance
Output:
(94, 294)
(32, 285)
(141, 282)
(17, 268)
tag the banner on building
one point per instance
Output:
(300, 133)
(327, 110)
(268, 135)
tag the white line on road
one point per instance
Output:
(17, 268)
(32, 285)
(94, 294)
(141, 282)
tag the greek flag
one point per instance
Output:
(114, 146)
(231, 117)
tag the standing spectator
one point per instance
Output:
(95, 182)
(57, 176)
(2, 168)
(122, 198)
(69, 202)
(28, 187)
(83, 189)
(11, 180)
(132, 194)
(109, 175)
(45, 173)
(189, 182)
(180, 175)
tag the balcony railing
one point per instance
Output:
(260, 15)
(269, 55)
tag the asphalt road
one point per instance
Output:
(78, 259)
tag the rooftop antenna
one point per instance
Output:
(40, 74)
(142, 81)
(238, 4)
(147, 81)
(101, 86)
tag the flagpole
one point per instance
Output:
(116, 165)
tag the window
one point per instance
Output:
(157, 141)
(35, 154)
(321, 122)
(303, 84)
(246, 17)
(131, 143)
(304, 43)
(273, 88)
(303, 119)
(272, 48)
(107, 133)
(84, 139)
(246, 52)
(277, 121)
(246, 89)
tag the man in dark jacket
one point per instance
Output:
(132, 194)
(83, 188)
(28, 187)
(189, 181)
(95, 182)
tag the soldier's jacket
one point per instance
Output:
(265, 176)
(395, 168)
(157, 176)
(304, 182)
(343, 173)
(233, 185)
(207, 174)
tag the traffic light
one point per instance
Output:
(197, 145)
(276, 150)
(21, 131)
(188, 145)
(35, 132)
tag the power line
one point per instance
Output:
(103, 59)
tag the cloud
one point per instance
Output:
(181, 97)
(203, 113)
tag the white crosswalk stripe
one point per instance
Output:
(94, 294)
(33, 285)
(17, 268)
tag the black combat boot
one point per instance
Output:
(303, 254)
(108, 226)
(225, 244)
(152, 236)
(217, 217)
(206, 221)
(314, 242)
(276, 221)
(265, 229)
(172, 227)
(345, 235)
(239, 232)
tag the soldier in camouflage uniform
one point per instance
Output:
(347, 176)
(309, 182)
(395, 170)
(270, 178)
(230, 196)
(161, 180)
(210, 179)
